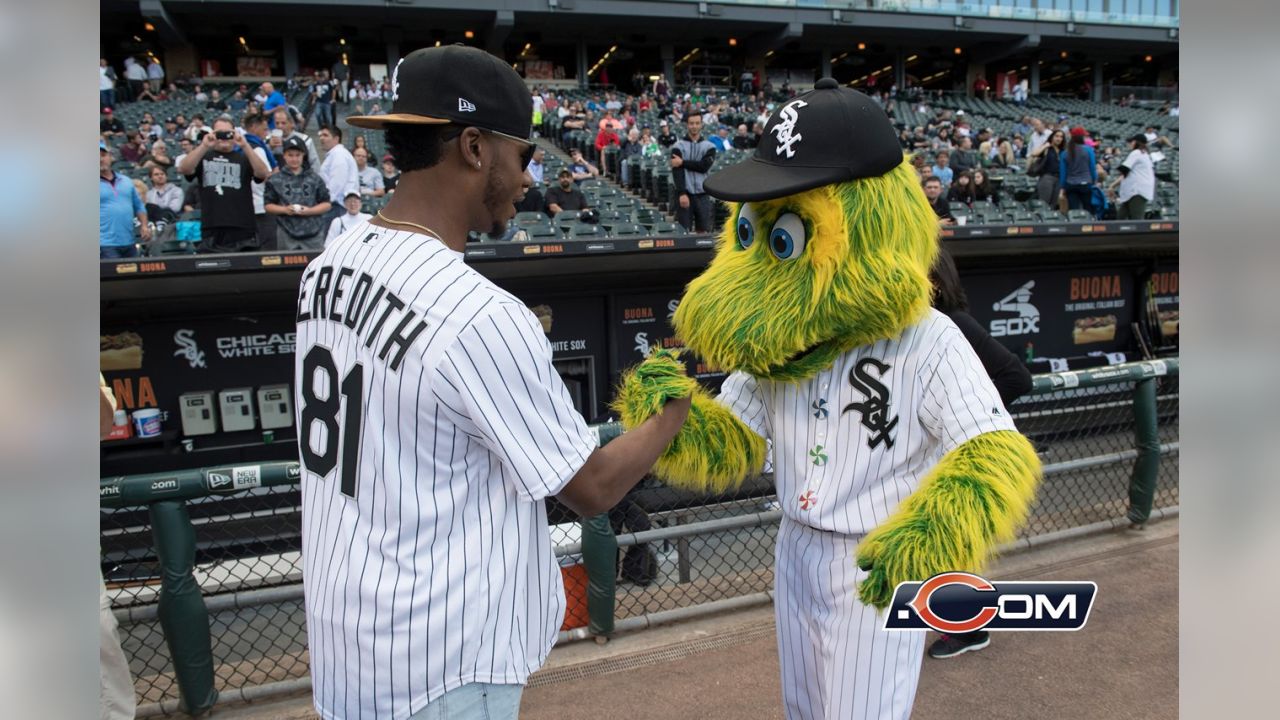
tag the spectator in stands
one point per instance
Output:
(215, 101)
(580, 167)
(1136, 182)
(339, 169)
(962, 189)
(941, 141)
(158, 157)
(941, 208)
(1155, 139)
(199, 95)
(225, 177)
(171, 128)
(1005, 157)
(533, 201)
(632, 147)
(118, 206)
(163, 194)
(133, 148)
(350, 218)
(1039, 135)
(110, 125)
(106, 85)
(565, 195)
(1019, 147)
(536, 168)
(1021, 91)
(155, 74)
(691, 160)
(135, 76)
(665, 137)
(1043, 163)
(286, 123)
(742, 139)
(149, 133)
(606, 137)
(964, 158)
(1078, 171)
(238, 101)
(983, 189)
(370, 177)
(981, 88)
(391, 174)
(649, 146)
(942, 169)
(1023, 126)
(574, 120)
(721, 139)
(299, 200)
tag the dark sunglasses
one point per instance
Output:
(526, 155)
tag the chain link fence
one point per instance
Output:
(248, 560)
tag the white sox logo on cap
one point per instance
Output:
(395, 81)
(785, 127)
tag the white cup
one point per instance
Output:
(961, 220)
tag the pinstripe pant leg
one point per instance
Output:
(801, 693)
(837, 662)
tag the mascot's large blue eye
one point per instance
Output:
(786, 240)
(746, 227)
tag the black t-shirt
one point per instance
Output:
(324, 92)
(942, 208)
(389, 183)
(219, 104)
(226, 195)
(111, 125)
(532, 202)
(571, 199)
(666, 139)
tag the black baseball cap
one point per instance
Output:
(830, 134)
(294, 143)
(456, 84)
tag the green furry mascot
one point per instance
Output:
(889, 442)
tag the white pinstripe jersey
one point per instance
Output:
(432, 426)
(854, 440)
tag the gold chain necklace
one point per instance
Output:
(423, 228)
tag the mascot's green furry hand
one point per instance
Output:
(714, 451)
(974, 499)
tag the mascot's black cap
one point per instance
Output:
(831, 134)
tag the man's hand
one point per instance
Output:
(208, 140)
(145, 231)
(238, 141)
(947, 221)
(676, 161)
(684, 199)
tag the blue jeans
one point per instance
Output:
(111, 252)
(106, 99)
(324, 114)
(477, 701)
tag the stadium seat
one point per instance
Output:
(542, 232)
(1079, 215)
(587, 230)
(532, 217)
(628, 230)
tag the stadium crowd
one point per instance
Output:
(234, 168)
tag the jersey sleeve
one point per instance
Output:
(741, 395)
(500, 369)
(960, 402)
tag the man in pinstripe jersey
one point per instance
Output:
(432, 425)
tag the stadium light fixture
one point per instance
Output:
(959, 51)
(1147, 58)
(149, 27)
(862, 46)
(469, 34)
(733, 42)
(242, 42)
(769, 54)
(912, 58)
(437, 43)
(1063, 54)
(342, 41)
(137, 39)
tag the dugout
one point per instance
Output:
(214, 334)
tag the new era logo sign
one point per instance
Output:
(465, 105)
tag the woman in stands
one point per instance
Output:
(1004, 156)
(983, 189)
(1078, 171)
(360, 143)
(1044, 161)
(962, 189)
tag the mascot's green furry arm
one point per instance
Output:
(714, 451)
(797, 282)
(973, 500)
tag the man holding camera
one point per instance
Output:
(224, 167)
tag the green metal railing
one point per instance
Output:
(183, 611)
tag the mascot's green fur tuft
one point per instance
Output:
(972, 501)
(862, 276)
(713, 452)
